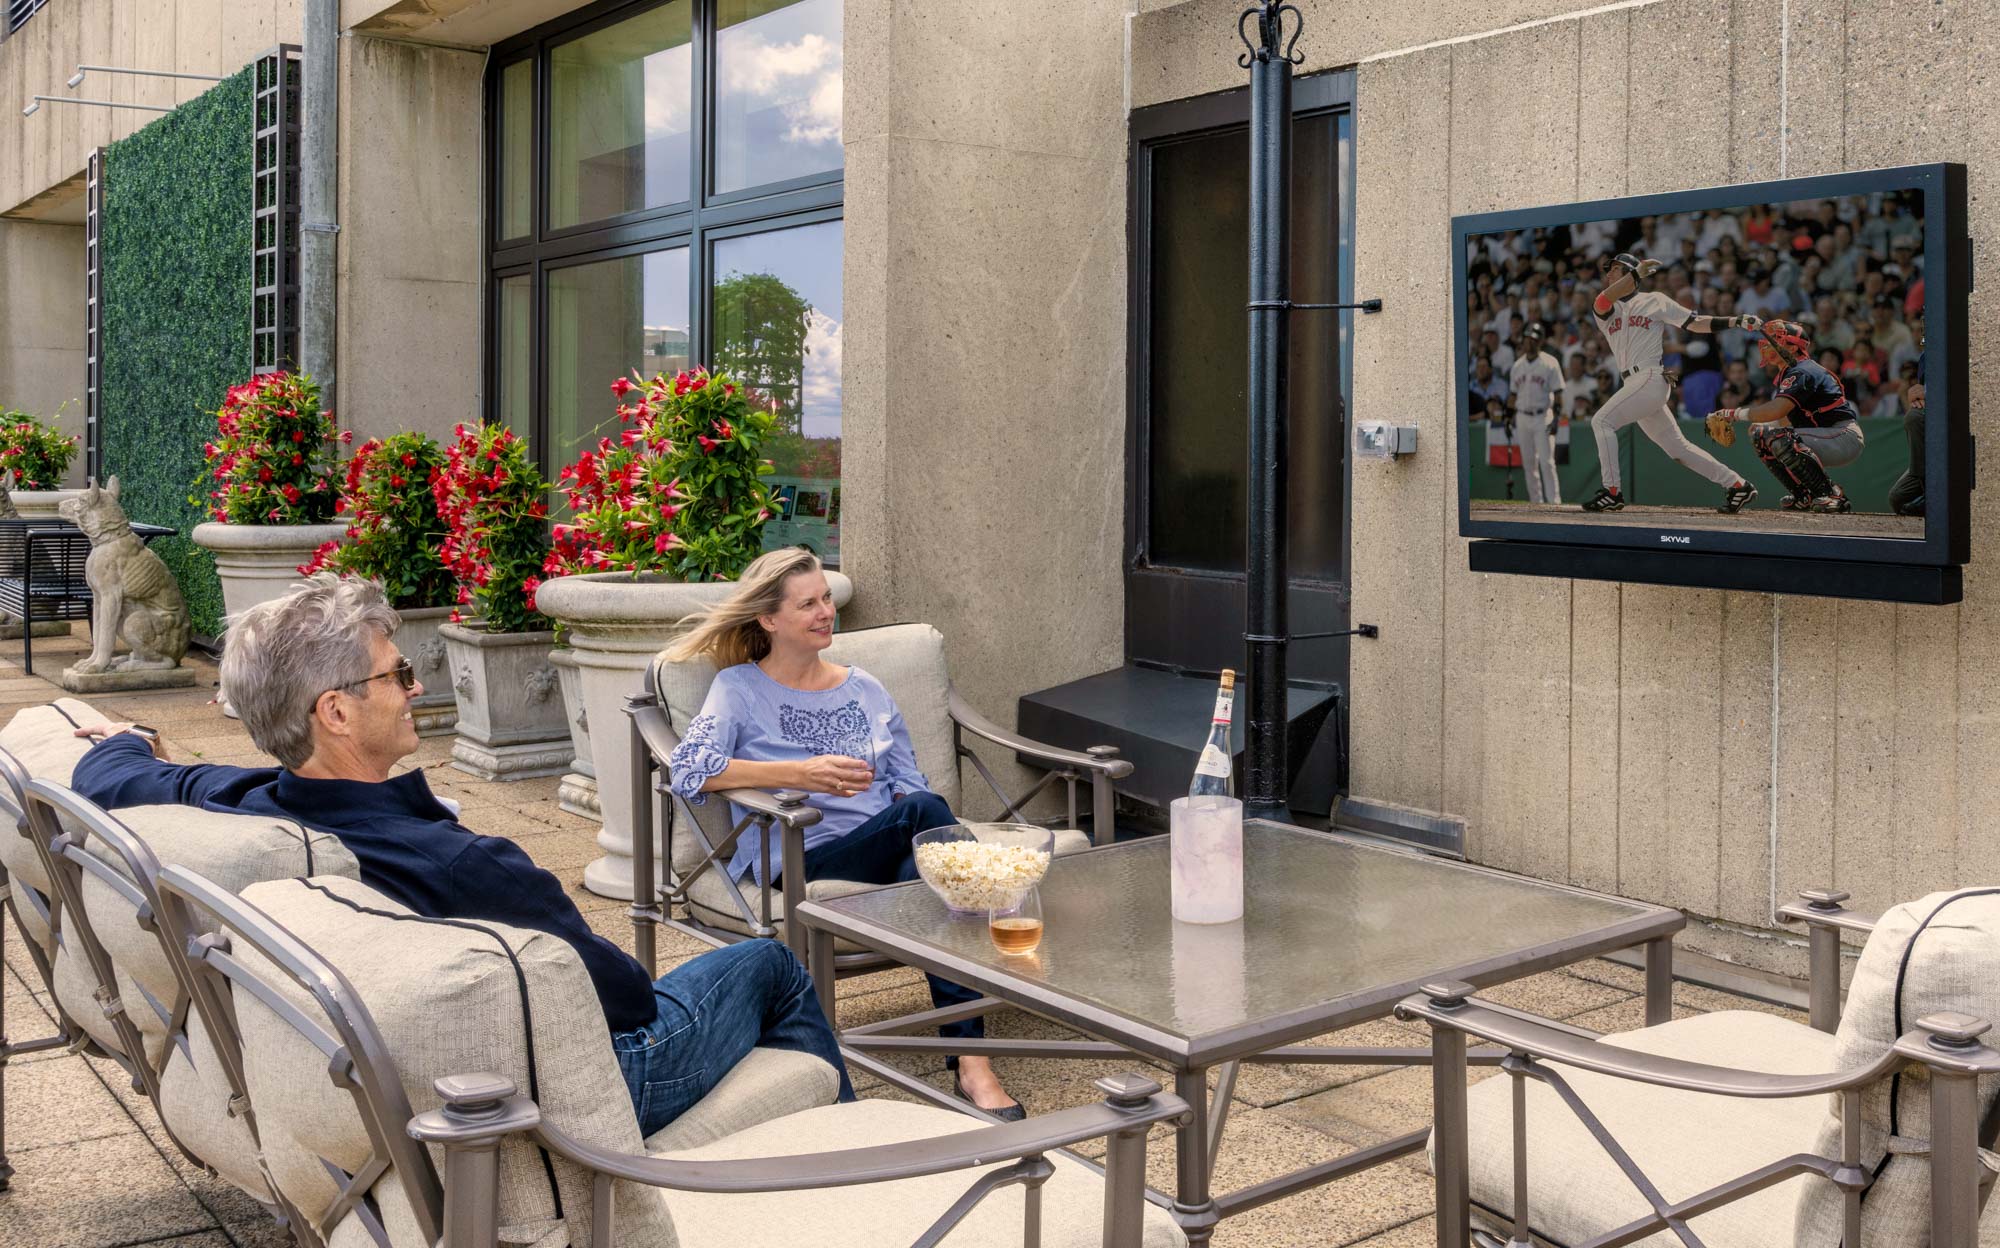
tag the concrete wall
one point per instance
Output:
(983, 355)
(41, 325)
(1710, 750)
(409, 245)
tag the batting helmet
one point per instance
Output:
(1785, 344)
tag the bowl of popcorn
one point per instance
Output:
(973, 867)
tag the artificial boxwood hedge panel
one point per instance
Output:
(175, 258)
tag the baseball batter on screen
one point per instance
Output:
(1634, 322)
(1536, 383)
(1808, 426)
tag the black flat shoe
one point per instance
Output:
(1009, 1113)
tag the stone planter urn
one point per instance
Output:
(616, 624)
(577, 793)
(39, 504)
(436, 712)
(259, 562)
(510, 710)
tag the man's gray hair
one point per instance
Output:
(280, 656)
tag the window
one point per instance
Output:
(665, 179)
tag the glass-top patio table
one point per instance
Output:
(1335, 932)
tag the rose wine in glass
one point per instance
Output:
(1017, 929)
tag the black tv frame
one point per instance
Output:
(1705, 557)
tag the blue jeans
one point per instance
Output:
(712, 1011)
(878, 852)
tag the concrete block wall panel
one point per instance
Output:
(409, 243)
(41, 324)
(984, 410)
(1887, 718)
(1403, 564)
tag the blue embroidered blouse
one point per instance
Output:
(749, 716)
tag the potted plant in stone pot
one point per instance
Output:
(396, 537)
(34, 458)
(268, 487)
(494, 504)
(663, 518)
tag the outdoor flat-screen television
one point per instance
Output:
(1758, 387)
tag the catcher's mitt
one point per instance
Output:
(1722, 428)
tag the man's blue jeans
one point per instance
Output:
(712, 1011)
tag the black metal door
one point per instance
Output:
(1185, 540)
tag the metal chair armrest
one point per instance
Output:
(1825, 919)
(649, 720)
(1546, 1043)
(1138, 1105)
(787, 806)
(972, 721)
(1822, 908)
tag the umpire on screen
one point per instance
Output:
(1906, 497)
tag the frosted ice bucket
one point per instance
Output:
(1207, 859)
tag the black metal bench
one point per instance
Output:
(41, 573)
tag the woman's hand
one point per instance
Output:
(836, 774)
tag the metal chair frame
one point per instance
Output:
(1946, 1045)
(654, 738)
(462, 1211)
(14, 895)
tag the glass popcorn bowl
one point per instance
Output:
(974, 867)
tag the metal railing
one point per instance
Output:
(19, 11)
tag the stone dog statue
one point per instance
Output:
(135, 597)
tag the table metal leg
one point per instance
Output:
(1194, 1210)
(1659, 981)
(1218, 1113)
(819, 962)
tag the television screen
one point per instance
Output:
(1761, 369)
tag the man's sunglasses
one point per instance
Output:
(405, 675)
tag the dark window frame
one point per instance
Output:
(694, 223)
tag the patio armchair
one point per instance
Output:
(909, 660)
(1869, 1127)
(337, 995)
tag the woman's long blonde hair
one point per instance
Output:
(728, 632)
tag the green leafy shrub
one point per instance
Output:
(679, 492)
(395, 535)
(175, 291)
(493, 502)
(32, 455)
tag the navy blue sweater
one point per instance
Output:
(409, 846)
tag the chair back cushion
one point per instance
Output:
(446, 997)
(1938, 954)
(43, 740)
(909, 661)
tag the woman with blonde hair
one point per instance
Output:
(779, 716)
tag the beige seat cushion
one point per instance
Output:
(768, 1084)
(1685, 1142)
(876, 1214)
(1937, 954)
(708, 898)
(43, 740)
(447, 1000)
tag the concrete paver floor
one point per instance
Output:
(94, 1169)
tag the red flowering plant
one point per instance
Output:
(678, 492)
(494, 504)
(394, 532)
(32, 455)
(271, 461)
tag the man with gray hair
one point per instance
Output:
(320, 685)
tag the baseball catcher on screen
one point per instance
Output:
(1808, 426)
(1634, 322)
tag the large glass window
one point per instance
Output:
(776, 316)
(619, 117)
(605, 319)
(777, 91)
(681, 206)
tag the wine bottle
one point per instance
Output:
(1212, 772)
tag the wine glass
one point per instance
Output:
(1016, 928)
